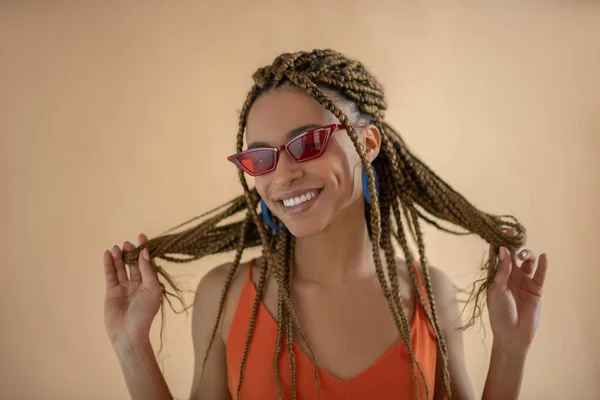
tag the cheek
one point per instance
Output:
(262, 186)
(342, 162)
(336, 172)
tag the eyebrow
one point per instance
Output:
(288, 136)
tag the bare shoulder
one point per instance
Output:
(217, 277)
(443, 290)
(444, 295)
(208, 338)
(210, 292)
(440, 281)
(213, 282)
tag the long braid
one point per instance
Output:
(280, 329)
(396, 188)
(410, 191)
(232, 271)
(426, 273)
(283, 249)
(386, 222)
(285, 259)
(280, 325)
(255, 305)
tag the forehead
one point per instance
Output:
(281, 110)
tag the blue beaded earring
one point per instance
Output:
(365, 184)
(267, 218)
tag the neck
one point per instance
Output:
(340, 253)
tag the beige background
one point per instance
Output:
(116, 117)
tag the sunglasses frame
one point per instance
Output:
(277, 150)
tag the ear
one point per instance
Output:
(371, 141)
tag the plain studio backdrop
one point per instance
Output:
(116, 118)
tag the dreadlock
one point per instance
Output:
(410, 192)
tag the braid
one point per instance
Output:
(286, 260)
(232, 271)
(409, 189)
(386, 223)
(437, 330)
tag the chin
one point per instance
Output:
(302, 229)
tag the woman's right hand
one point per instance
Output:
(131, 302)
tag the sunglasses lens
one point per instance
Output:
(258, 161)
(308, 145)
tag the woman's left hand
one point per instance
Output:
(515, 299)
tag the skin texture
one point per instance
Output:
(335, 290)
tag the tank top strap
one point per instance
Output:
(420, 286)
(418, 275)
(250, 271)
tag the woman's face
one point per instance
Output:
(330, 184)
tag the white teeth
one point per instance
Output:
(299, 199)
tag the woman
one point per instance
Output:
(328, 311)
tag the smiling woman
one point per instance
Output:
(328, 311)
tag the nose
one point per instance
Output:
(287, 170)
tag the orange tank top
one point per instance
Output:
(389, 377)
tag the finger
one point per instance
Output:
(504, 269)
(142, 238)
(528, 266)
(513, 254)
(513, 258)
(110, 274)
(119, 264)
(540, 273)
(149, 278)
(134, 269)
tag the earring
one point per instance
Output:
(365, 184)
(267, 218)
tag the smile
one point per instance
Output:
(300, 203)
(303, 198)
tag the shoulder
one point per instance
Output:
(214, 278)
(444, 294)
(440, 282)
(210, 293)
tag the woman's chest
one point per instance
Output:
(348, 329)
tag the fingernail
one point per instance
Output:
(146, 255)
(126, 243)
(525, 254)
(502, 253)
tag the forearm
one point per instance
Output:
(505, 374)
(140, 369)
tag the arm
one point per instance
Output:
(506, 365)
(514, 303)
(140, 370)
(131, 303)
(505, 374)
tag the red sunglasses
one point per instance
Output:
(305, 147)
